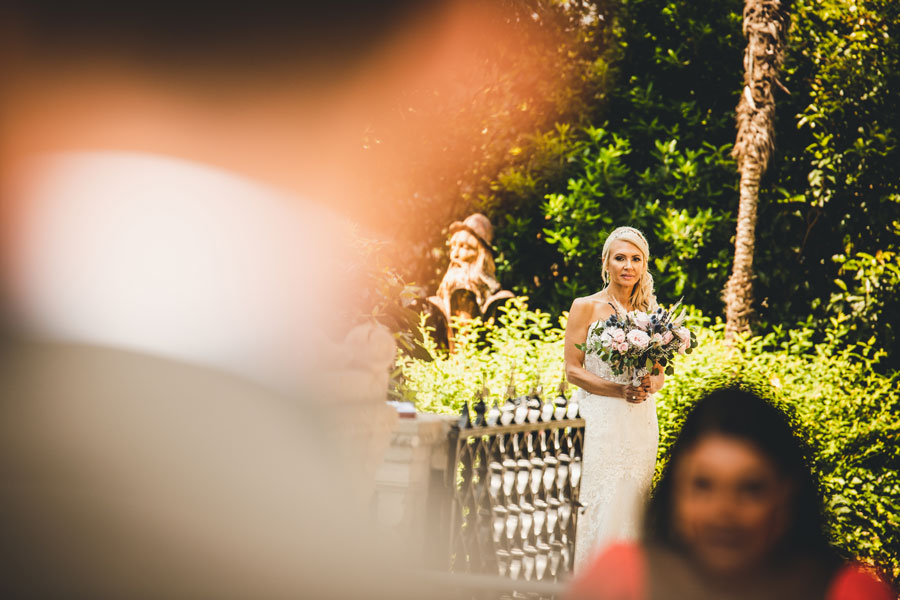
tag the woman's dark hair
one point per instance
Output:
(742, 414)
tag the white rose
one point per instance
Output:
(642, 320)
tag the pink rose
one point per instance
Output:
(638, 338)
(657, 340)
(667, 337)
(617, 335)
(623, 347)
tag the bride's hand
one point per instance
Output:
(635, 395)
(653, 383)
(647, 384)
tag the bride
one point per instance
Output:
(621, 433)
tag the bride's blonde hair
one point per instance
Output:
(642, 297)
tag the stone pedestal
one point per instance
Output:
(410, 493)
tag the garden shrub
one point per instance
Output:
(843, 408)
(526, 342)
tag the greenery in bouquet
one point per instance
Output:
(639, 342)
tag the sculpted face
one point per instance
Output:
(464, 248)
(730, 505)
(625, 263)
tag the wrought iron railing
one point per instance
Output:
(514, 478)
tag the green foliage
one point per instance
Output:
(655, 155)
(592, 114)
(523, 341)
(848, 414)
(688, 240)
(842, 407)
(519, 68)
(834, 188)
(866, 305)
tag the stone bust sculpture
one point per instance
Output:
(469, 288)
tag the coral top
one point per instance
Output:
(620, 573)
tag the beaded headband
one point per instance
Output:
(621, 231)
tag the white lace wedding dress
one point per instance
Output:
(620, 443)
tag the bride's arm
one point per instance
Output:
(576, 332)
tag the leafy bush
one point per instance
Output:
(840, 404)
(657, 157)
(522, 341)
(866, 305)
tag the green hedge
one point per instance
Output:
(842, 407)
(530, 343)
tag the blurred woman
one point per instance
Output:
(736, 514)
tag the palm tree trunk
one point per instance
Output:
(765, 27)
(739, 290)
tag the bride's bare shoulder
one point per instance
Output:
(586, 303)
(591, 308)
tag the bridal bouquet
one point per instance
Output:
(638, 342)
